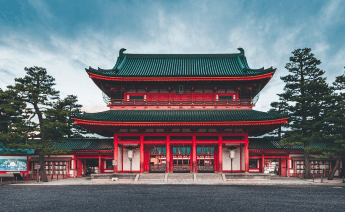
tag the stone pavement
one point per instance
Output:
(187, 179)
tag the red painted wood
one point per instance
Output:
(247, 78)
(194, 155)
(27, 174)
(141, 153)
(112, 123)
(167, 148)
(79, 167)
(263, 163)
(220, 154)
(246, 155)
(99, 164)
(283, 167)
(116, 152)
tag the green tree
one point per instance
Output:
(36, 90)
(278, 107)
(333, 125)
(304, 91)
(14, 123)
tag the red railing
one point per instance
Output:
(175, 102)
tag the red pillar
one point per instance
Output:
(167, 150)
(194, 162)
(220, 153)
(28, 165)
(99, 164)
(246, 155)
(116, 152)
(263, 163)
(141, 153)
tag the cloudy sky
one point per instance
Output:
(67, 36)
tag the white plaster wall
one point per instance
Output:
(119, 159)
(227, 160)
(135, 160)
(243, 158)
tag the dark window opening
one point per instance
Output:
(207, 138)
(225, 97)
(181, 138)
(253, 164)
(109, 164)
(154, 138)
(136, 97)
(129, 138)
(180, 89)
(233, 138)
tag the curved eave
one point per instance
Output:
(206, 123)
(173, 78)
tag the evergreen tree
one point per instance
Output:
(278, 107)
(305, 90)
(14, 126)
(333, 125)
(36, 90)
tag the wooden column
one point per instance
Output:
(28, 167)
(167, 150)
(246, 155)
(116, 152)
(194, 154)
(263, 163)
(220, 153)
(99, 164)
(141, 153)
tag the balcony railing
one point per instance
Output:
(174, 102)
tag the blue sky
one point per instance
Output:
(67, 36)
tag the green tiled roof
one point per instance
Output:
(179, 115)
(4, 150)
(87, 144)
(273, 143)
(181, 65)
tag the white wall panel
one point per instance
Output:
(227, 160)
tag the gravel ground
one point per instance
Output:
(171, 198)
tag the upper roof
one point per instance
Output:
(180, 65)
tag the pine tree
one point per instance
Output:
(36, 90)
(305, 90)
(278, 107)
(333, 125)
(14, 126)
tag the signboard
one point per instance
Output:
(37, 167)
(13, 163)
(322, 166)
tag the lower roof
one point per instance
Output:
(179, 116)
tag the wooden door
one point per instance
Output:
(283, 167)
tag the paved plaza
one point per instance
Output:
(171, 198)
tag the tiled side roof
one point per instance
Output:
(179, 115)
(87, 144)
(4, 150)
(180, 65)
(273, 143)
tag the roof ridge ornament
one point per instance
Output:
(241, 51)
(121, 54)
